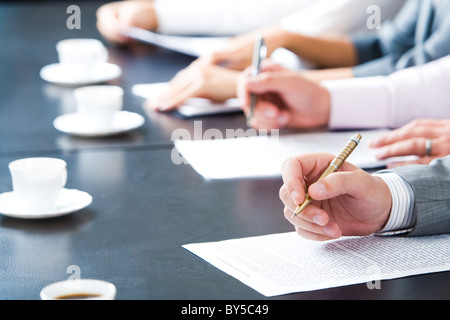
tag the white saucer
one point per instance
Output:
(70, 200)
(60, 74)
(73, 123)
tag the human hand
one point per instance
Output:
(349, 202)
(285, 99)
(115, 17)
(411, 139)
(200, 80)
(238, 51)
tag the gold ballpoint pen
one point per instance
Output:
(333, 167)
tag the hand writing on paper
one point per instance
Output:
(349, 202)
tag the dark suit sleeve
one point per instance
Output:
(431, 185)
(377, 55)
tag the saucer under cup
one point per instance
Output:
(37, 182)
(98, 105)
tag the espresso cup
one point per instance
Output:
(98, 105)
(79, 289)
(37, 182)
(79, 56)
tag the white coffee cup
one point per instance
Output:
(79, 289)
(79, 56)
(37, 182)
(98, 105)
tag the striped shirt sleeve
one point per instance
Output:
(401, 219)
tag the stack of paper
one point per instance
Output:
(262, 156)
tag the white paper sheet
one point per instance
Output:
(262, 156)
(193, 46)
(285, 263)
(192, 107)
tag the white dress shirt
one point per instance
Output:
(391, 101)
(231, 17)
(341, 16)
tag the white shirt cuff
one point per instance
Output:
(401, 219)
(362, 103)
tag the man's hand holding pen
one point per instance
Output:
(348, 202)
(285, 99)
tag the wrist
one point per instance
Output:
(385, 202)
(324, 104)
(153, 17)
(401, 216)
(293, 41)
(275, 38)
(312, 109)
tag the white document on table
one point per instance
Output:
(192, 107)
(193, 46)
(262, 156)
(285, 263)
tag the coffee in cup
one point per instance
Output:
(79, 289)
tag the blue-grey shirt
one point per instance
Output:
(420, 33)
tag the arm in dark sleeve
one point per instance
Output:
(431, 185)
(377, 55)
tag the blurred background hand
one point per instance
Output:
(411, 139)
(115, 17)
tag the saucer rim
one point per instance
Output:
(94, 80)
(101, 133)
(85, 200)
